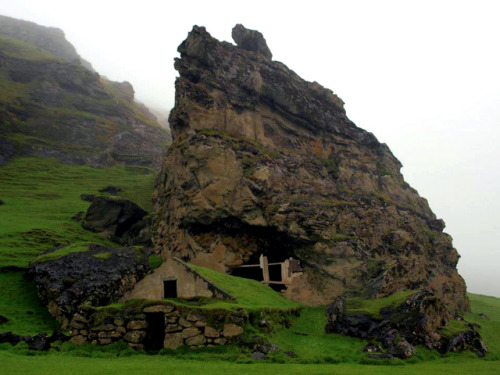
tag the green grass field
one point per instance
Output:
(317, 353)
(40, 197)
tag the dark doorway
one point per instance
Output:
(169, 288)
(275, 272)
(155, 333)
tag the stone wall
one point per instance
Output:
(179, 326)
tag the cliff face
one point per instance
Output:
(52, 107)
(264, 162)
(50, 39)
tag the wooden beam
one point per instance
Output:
(265, 268)
(248, 265)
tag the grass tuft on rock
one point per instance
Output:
(372, 307)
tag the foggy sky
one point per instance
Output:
(423, 76)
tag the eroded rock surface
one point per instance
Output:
(55, 105)
(264, 162)
(416, 321)
(120, 219)
(98, 276)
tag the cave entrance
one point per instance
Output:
(155, 333)
(275, 272)
(170, 288)
(277, 275)
(252, 271)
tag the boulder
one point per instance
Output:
(190, 332)
(173, 340)
(466, 340)
(137, 324)
(114, 217)
(98, 276)
(11, 338)
(134, 337)
(159, 308)
(231, 330)
(258, 356)
(196, 340)
(251, 40)
(211, 332)
(112, 190)
(399, 327)
(39, 342)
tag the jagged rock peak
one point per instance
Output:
(266, 163)
(251, 40)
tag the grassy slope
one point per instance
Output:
(490, 328)
(250, 294)
(19, 303)
(144, 365)
(21, 50)
(41, 195)
(53, 128)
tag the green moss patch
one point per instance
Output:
(155, 261)
(372, 307)
(44, 194)
(249, 294)
(20, 50)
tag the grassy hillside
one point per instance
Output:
(249, 294)
(40, 197)
(51, 107)
(317, 353)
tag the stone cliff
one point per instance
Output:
(264, 162)
(52, 105)
(50, 39)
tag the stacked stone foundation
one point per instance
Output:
(182, 326)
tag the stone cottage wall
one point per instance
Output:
(182, 326)
(190, 284)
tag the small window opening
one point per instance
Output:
(170, 288)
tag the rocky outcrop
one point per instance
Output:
(98, 276)
(418, 320)
(52, 106)
(50, 39)
(41, 341)
(121, 220)
(251, 40)
(264, 162)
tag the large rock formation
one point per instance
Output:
(96, 277)
(51, 105)
(406, 321)
(264, 162)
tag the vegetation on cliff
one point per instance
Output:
(52, 106)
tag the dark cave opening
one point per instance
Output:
(256, 240)
(254, 273)
(275, 272)
(253, 242)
